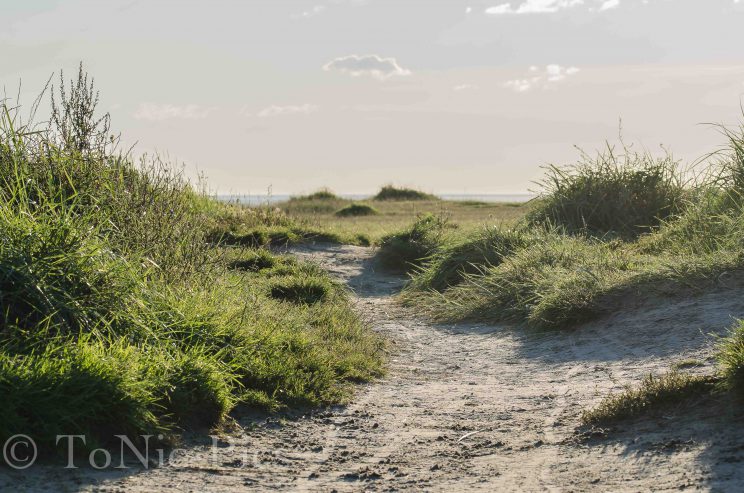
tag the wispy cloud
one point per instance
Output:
(533, 7)
(317, 9)
(367, 65)
(609, 4)
(549, 6)
(273, 110)
(464, 87)
(160, 112)
(540, 78)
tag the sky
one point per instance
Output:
(455, 96)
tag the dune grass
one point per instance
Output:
(614, 193)
(665, 393)
(676, 390)
(394, 216)
(407, 249)
(390, 192)
(356, 210)
(124, 311)
(610, 229)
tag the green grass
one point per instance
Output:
(451, 263)
(583, 251)
(616, 194)
(405, 250)
(667, 393)
(390, 192)
(356, 210)
(731, 360)
(123, 309)
(306, 290)
(322, 194)
(676, 390)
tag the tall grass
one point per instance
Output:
(404, 250)
(390, 192)
(118, 315)
(610, 228)
(618, 193)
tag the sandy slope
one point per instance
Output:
(472, 407)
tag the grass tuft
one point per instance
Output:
(356, 210)
(322, 194)
(453, 262)
(654, 395)
(404, 250)
(616, 194)
(305, 291)
(390, 192)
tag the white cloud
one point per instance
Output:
(533, 7)
(317, 9)
(160, 112)
(274, 110)
(609, 4)
(371, 65)
(541, 78)
(522, 85)
(464, 87)
(551, 6)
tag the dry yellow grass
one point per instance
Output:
(394, 215)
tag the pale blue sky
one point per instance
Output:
(449, 96)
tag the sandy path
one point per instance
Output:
(473, 407)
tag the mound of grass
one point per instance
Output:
(390, 192)
(254, 261)
(654, 395)
(557, 278)
(404, 250)
(322, 194)
(118, 317)
(277, 236)
(454, 261)
(355, 210)
(321, 202)
(306, 291)
(610, 194)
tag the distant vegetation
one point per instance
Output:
(122, 311)
(322, 194)
(390, 192)
(356, 210)
(617, 226)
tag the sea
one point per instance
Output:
(257, 200)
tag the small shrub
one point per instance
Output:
(389, 192)
(354, 210)
(406, 249)
(306, 291)
(611, 194)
